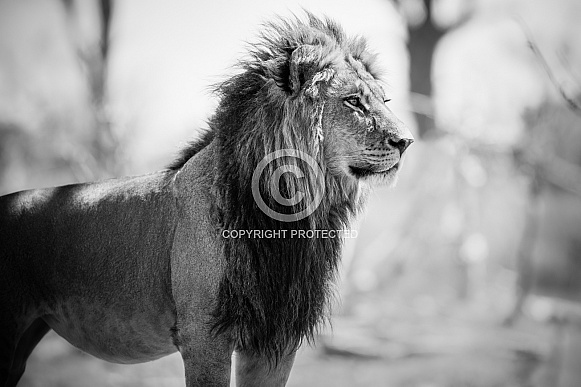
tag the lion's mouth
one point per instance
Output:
(361, 172)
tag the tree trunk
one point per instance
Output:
(422, 42)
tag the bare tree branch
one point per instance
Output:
(94, 57)
(563, 174)
(106, 10)
(573, 105)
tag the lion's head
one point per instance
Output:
(328, 82)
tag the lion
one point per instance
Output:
(133, 269)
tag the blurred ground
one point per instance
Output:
(440, 352)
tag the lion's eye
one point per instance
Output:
(354, 101)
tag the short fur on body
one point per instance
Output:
(133, 269)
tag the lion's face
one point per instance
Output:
(363, 139)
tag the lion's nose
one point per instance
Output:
(400, 143)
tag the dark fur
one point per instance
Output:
(274, 292)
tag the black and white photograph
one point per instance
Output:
(293, 193)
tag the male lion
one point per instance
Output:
(133, 269)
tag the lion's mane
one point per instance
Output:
(274, 292)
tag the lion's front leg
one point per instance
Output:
(206, 359)
(256, 371)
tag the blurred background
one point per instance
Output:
(466, 274)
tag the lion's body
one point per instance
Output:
(133, 269)
(60, 245)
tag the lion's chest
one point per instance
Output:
(116, 333)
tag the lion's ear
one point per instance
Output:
(304, 64)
